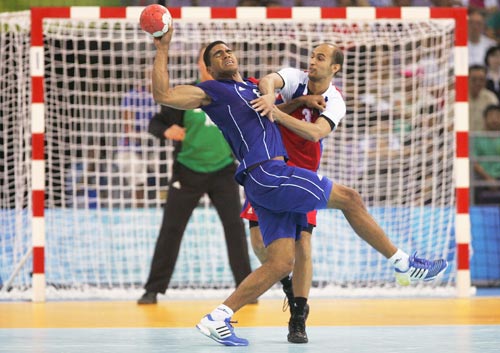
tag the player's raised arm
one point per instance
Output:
(179, 97)
(309, 131)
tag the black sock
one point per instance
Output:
(286, 282)
(299, 304)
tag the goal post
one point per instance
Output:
(403, 143)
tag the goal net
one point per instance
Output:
(106, 177)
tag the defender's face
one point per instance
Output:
(223, 63)
(320, 64)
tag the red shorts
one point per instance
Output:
(248, 213)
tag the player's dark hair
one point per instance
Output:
(338, 57)
(206, 54)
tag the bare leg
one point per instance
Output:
(279, 263)
(303, 268)
(350, 203)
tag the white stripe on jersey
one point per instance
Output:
(258, 117)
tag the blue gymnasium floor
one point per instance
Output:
(428, 339)
(432, 325)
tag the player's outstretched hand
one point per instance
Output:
(163, 41)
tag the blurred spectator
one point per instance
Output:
(446, 3)
(486, 151)
(131, 157)
(249, 3)
(380, 153)
(321, 3)
(217, 3)
(483, 5)
(401, 3)
(492, 62)
(278, 3)
(380, 3)
(268, 3)
(346, 3)
(479, 97)
(85, 181)
(378, 71)
(478, 42)
(493, 25)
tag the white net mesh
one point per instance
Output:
(15, 142)
(106, 176)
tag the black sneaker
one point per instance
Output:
(148, 298)
(306, 311)
(297, 329)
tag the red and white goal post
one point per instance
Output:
(403, 144)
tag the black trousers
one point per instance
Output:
(186, 189)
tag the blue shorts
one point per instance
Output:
(282, 195)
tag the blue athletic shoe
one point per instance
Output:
(220, 331)
(420, 270)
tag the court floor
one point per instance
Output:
(440, 325)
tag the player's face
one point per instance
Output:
(223, 63)
(320, 64)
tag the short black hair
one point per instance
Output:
(477, 67)
(490, 52)
(490, 108)
(338, 57)
(206, 54)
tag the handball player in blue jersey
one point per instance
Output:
(280, 194)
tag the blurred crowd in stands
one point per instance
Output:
(484, 100)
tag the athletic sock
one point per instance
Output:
(400, 260)
(299, 304)
(287, 284)
(221, 313)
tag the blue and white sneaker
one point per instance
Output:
(220, 331)
(420, 270)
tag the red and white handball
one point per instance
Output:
(155, 20)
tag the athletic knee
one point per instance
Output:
(350, 199)
(281, 266)
(284, 268)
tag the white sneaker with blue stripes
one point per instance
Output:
(420, 270)
(220, 331)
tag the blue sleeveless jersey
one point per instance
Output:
(252, 137)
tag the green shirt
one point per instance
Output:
(488, 146)
(204, 149)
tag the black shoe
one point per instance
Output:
(297, 329)
(306, 311)
(148, 298)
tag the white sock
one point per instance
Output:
(221, 313)
(400, 260)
